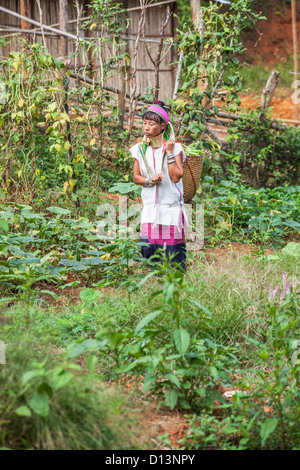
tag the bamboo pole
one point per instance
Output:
(90, 34)
(36, 23)
(295, 47)
(178, 75)
(122, 95)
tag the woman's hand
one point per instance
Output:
(156, 178)
(170, 146)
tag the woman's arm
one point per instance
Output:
(139, 179)
(176, 169)
(174, 163)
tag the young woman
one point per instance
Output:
(158, 168)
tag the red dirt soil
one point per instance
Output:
(283, 108)
(271, 43)
(272, 39)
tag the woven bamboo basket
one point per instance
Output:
(192, 168)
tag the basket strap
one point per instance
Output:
(191, 174)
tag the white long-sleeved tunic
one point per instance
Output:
(162, 203)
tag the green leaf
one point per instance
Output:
(88, 345)
(4, 227)
(7, 299)
(90, 294)
(145, 279)
(31, 374)
(292, 224)
(123, 188)
(39, 403)
(266, 429)
(292, 249)
(91, 362)
(182, 340)
(58, 210)
(200, 306)
(23, 411)
(61, 380)
(168, 290)
(171, 398)
(147, 319)
(174, 379)
(213, 372)
(95, 261)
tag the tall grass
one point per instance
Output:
(83, 415)
(254, 77)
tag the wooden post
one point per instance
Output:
(295, 47)
(196, 9)
(268, 91)
(25, 11)
(122, 95)
(63, 25)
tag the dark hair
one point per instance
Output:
(151, 116)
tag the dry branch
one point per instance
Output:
(41, 21)
(158, 59)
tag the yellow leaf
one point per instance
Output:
(65, 116)
(66, 184)
(21, 103)
(48, 116)
(92, 142)
(15, 66)
(93, 26)
(67, 145)
(52, 107)
(72, 184)
(126, 177)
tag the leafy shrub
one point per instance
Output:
(264, 410)
(47, 405)
(262, 215)
(265, 152)
(179, 364)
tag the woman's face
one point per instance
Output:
(153, 128)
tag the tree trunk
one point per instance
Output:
(196, 9)
(25, 11)
(63, 24)
(268, 91)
